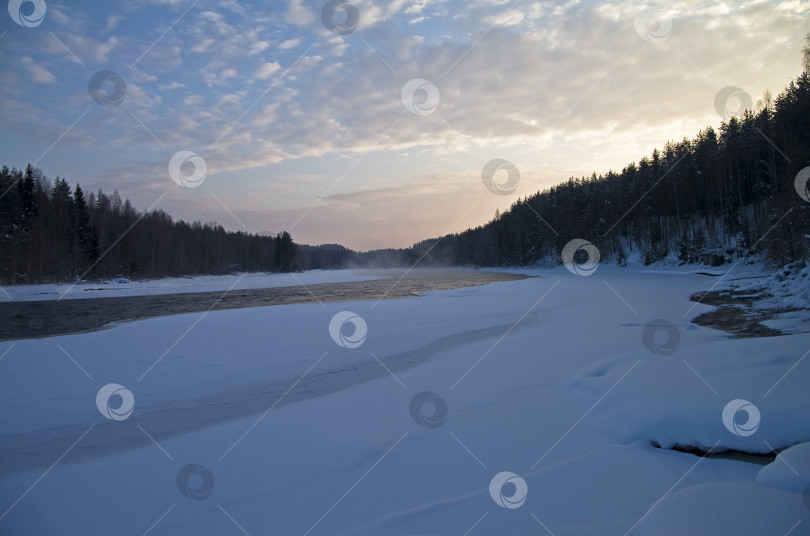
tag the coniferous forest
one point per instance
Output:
(727, 192)
(50, 231)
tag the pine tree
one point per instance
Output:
(85, 241)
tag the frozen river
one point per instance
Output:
(553, 404)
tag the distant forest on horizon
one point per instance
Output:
(728, 192)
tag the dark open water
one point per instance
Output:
(25, 320)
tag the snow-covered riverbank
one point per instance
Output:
(175, 285)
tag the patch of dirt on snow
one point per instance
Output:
(736, 312)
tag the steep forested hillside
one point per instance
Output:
(729, 192)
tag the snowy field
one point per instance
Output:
(526, 407)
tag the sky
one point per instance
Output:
(367, 123)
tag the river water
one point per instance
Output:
(25, 320)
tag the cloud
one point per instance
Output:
(59, 15)
(298, 14)
(193, 100)
(258, 46)
(215, 74)
(104, 49)
(204, 45)
(38, 73)
(290, 43)
(267, 116)
(510, 17)
(266, 70)
(113, 20)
